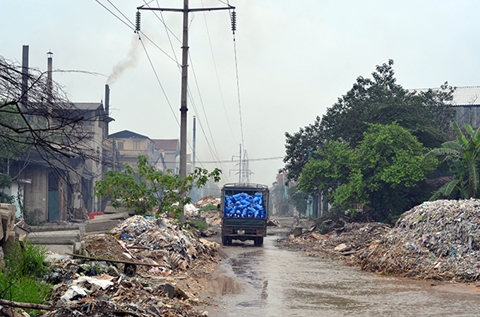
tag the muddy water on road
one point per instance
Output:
(278, 282)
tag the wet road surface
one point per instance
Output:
(276, 282)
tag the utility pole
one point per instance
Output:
(183, 100)
(240, 165)
(194, 141)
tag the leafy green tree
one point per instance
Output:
(143, 188)
(463, 157)
(299, 148)
(327, 170)
(381, 100)
(426, 115)
(384, 170)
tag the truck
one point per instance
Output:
(244, 212)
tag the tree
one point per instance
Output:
(299, 147)
(425, 115)
(384, 170)
(143, 188)
(382, 100)
(327, 170)
(463, 157)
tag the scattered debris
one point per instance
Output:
(207, 200)
(273, 223)
(163, 285)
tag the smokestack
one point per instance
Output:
(49, 78)
(24, 98)
(107, 105)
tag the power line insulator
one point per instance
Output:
(137, 22)
(234, 21)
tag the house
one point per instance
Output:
(466, 102)
(63, 189)
(131, 145)
(167, 152)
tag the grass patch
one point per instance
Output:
(198, 223)
(26, 259)
(208, 207)
(24, 289)
(21, 280)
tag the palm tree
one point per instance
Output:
(463, 155)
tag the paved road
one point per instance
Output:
(270, 282)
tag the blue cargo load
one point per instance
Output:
(244, 205)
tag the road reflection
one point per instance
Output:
(278, 282)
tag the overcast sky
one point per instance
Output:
(294, 59)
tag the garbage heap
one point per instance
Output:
(169, 264)
(207, 200)
(345, 240)
(434, 240)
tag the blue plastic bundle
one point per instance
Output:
(243, 205)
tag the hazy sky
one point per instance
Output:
(294, 58)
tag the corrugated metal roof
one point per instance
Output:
(462, 96)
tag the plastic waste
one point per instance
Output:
(243, 205)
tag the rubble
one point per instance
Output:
(435, 240)
(164, 285)
(207, 200)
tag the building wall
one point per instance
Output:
(132, 148)
(468, 114)
(36, 193)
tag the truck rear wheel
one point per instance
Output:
(224, 240)
(258, 242)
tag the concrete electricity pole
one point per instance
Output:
(183, 100)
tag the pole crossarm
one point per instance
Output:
(188, 10)
(183, 99)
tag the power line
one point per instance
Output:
(131, 26)
(218, 78)
(158, 79)
(232, 17)
(274, 158)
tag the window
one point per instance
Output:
(136, 145)
(120, 146)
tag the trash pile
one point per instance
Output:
(434, 240)
(175, 248)
(207, 200)
(161, 265)
(243, 205)
(342, 241)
